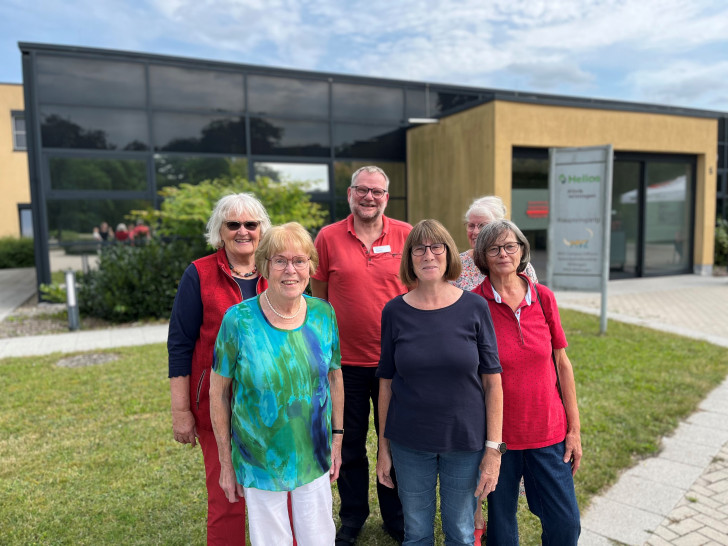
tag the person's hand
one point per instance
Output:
(489, 472)
(573, 453)
(335, 457)
(384, 467)
(229, 483)
(183, 427)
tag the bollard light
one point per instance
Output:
(74, 322)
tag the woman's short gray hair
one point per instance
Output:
(490, 207)
(488, 237)
(235, 205)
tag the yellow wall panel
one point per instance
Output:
(14, 182)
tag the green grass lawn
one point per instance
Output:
(88, 457)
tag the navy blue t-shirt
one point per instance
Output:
(435, 359)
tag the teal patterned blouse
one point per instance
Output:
(281, 402)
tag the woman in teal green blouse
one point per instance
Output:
(281, 429)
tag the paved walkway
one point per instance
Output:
(678, 497)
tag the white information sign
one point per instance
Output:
(580, 202)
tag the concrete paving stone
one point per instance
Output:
(668, 472)
(620, 522)
(682, 512)
(715, 536)
(655, 540)
(698, 454)
(718, 482)
(685, 526)
(711, 419)
(663, 532)
(703, 499)
(646, 494)
(713, 523)
(693, 539)
(702, 508)
(588, 538)
(694, 434)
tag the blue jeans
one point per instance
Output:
(549, 492)
(417, 473)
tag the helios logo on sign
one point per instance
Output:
(584, 178)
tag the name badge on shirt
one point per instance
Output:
(380, 249)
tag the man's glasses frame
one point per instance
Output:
(435, 248)
(250, 225)
(363, 191)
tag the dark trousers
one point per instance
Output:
(360, 386)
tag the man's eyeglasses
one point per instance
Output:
(510, 248)
(362, 191)
(279, 263)
(250, 225)
(436, 249)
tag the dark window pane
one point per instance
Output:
(93, 128)
(174, 170)
(71, 173)
(286, 96)
(71, 224)
(368, 102)
(198, 133)
(90, 82)
(341, 210)
(416, 103)
(172, 87)
(395, 171)
(288, 137)
(444, 102)
(370, 141)
(722, 123)
(315, 176)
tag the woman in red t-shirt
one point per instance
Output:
(540, 420)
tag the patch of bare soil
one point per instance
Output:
(89, 359)
(35, 319)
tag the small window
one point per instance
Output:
(19, 138)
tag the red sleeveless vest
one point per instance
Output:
(219, 292)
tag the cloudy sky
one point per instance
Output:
(671, 52)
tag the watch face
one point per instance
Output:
(502, 447)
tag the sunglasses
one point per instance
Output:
(250, 225)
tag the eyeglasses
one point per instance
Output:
(510, 248)
(472, 227)
(362, 191)
(279, 263)
(250, 225)
(436, 249)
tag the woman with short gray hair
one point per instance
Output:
(481, 212)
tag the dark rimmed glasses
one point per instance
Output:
(362, 191)
(436, 249)
(250, 225)
(279, 263)
(510, 248)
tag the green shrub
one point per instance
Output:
(134, 282)
(53, 293)
(16, 252)
(721, 242)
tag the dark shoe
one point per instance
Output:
(346, 535)
(396, 534)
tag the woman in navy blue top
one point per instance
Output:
(440, 396)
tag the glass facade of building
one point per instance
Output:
(111, 129)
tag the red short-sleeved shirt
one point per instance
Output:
(360, 283)
(533, 414)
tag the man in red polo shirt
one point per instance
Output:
(358, 273)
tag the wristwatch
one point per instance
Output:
(501, 447)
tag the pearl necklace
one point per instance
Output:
(300, 304)
(244, 275)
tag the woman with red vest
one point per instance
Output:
(209, 286)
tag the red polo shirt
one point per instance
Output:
(360, 282)
(533, 414)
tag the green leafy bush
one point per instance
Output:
(53, 293)
(134, 282)
(16, 252)
(721, 242)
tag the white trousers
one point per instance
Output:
(311, 504)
